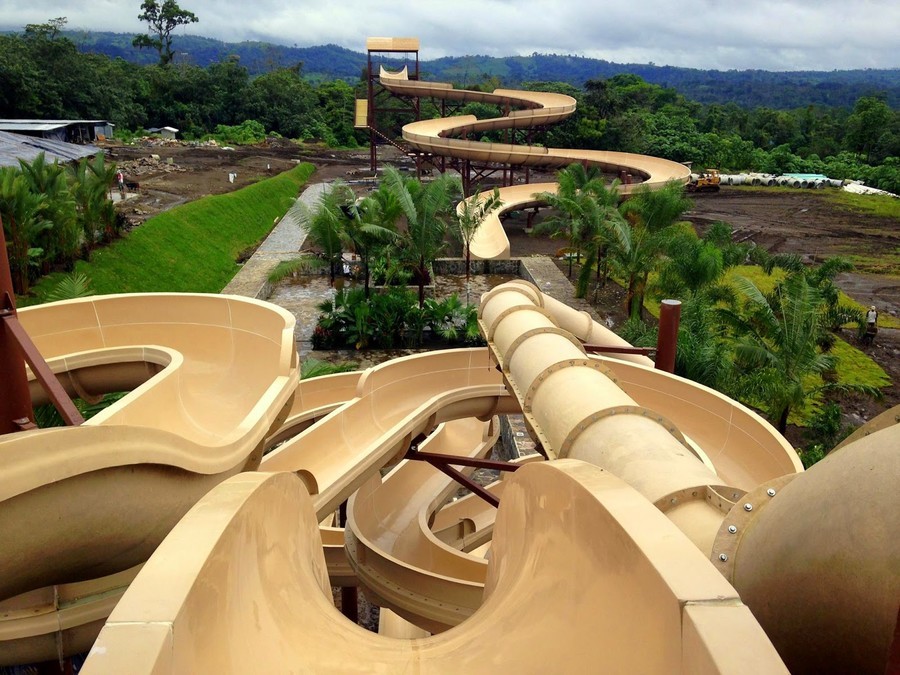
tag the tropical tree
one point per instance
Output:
(162, 19)
(89, 182)
(472, 213)
(638, 245)
(427, 209)
(694, 267)
(820, 277)
(585, 208)
(371, 221)
(22, 214)
(325, 221)
(574, 183)
(693, 272)
(778, 348)
(61, 241)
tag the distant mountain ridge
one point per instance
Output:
(747, 88)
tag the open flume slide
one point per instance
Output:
(388, 534)
(313, 399)
(395, 402)
(251, 546)
(209, 377)
(42, 624)
(448, 137)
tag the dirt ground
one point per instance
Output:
(802, 222)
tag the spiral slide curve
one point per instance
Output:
(447, 137)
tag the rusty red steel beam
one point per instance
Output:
(15, 401)
(433, 458)
(608, 349)
(463, 480)
(41, 370)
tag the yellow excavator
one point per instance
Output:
(707, 181)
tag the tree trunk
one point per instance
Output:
(782, 421)
(468, 264)
(365, 258)
(421, 281)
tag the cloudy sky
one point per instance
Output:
(767, 34)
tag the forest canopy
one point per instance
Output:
(43, 74)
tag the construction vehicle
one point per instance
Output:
(707, 181)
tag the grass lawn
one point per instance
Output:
(191, 248)
(766, 283)
(878, 205)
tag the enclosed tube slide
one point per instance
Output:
(576, 409)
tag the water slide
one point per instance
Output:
(395, 403)
(398, 547)
(665, 512)
(449, 137)
(656, 510)
(725, 449)
(102, 496)
(251, 545)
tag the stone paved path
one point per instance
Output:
(283, 243)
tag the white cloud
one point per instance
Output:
(770, 34)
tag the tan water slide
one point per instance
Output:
(279, 616)
(578, 553)
(209, 377)
(449, 137)
(395, 402)
(664, 516)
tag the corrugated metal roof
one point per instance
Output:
(30, 126)
(14, 147)
(54, 122)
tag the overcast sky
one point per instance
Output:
(742, 34)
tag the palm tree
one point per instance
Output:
(371, 221)
(427, 209)
(638, 245)
(583, 203)
(62, 241)
(22, 215)
(694, 267)
(821, 277)
(693, 272)
(472, 213)
(778, 346)
(325, 221)
(90, 182)
(103, 177)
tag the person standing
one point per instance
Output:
(120, 181)
(871, 325)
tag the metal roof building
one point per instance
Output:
(14, 147)
(73, 131)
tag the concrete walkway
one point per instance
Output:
(283, 243)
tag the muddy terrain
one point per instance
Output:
(802, 222)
